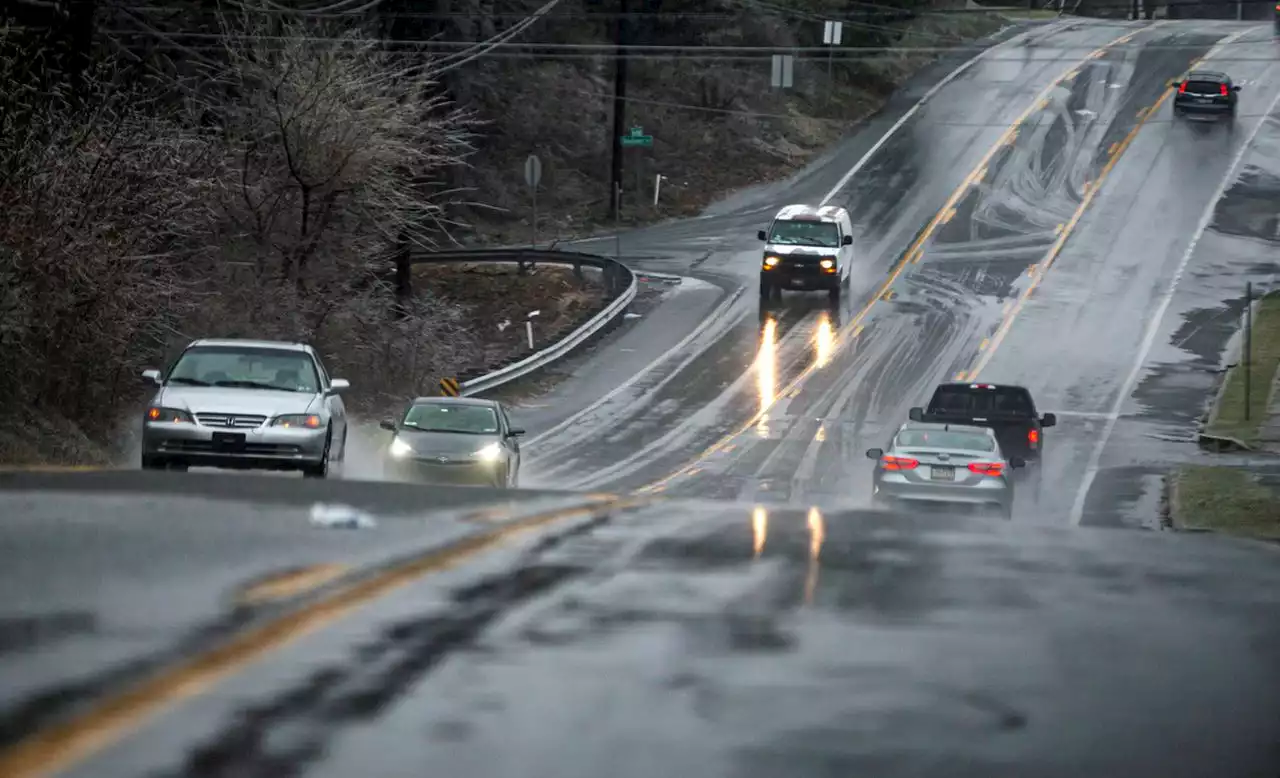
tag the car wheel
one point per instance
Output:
(320, 470)
(153, 463)
(833, 294)
(765, 291)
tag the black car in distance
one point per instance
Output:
(1206, 93)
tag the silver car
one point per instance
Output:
(461, 440)
(245, 404)
(944, 463)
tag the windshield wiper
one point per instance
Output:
(188, 381)
(248, 385)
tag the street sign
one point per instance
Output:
(831, 33)
(636, 138)
(783, 71)
(533, 170)
(449, 387)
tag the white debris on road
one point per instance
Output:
(340, 517)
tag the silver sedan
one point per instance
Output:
(245, 404)
(944, 463)
(457, 440)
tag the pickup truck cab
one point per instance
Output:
(1008, 410)
(806, 248)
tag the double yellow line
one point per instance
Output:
(989, 345)
(912, 255)
(70, 742)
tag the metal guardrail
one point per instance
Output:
(620, 283)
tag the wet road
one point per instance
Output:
(1025, 225)
(705, 639)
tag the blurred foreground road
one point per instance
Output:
(678, 638)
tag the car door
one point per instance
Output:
(337, 408)
(513, 442)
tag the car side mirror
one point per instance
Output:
(762, 235)
(916, 414)
(848, 241)
(1235, 88)
(515, 433)
(875, 453)
(388, 425)
(339, 385)
(152, 376)
(1175, 84)
(1048, 420)
(1017, 462)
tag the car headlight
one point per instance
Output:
(490, 453)
(771, 261)
(399, 449)
(171, 415)
(309, 421)
(827, 264)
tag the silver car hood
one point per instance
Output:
(447, 443)
(224, 399)
(786, 249)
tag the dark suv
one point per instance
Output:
(1205, 92)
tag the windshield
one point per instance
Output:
(466, 419)
(969, 441)
(805, 233)
(247, 368)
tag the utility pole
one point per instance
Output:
(619, 110)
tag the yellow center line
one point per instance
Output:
(911, 256)
(1090, 191)
(289, 584)
(65, 744)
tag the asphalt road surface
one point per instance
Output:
(1039, 219)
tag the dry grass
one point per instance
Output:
(1228, 419)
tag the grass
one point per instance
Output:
(1225, 499)
(1228, 418)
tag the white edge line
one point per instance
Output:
(715, 315)
(1153, 327)
(952, 76)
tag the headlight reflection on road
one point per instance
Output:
(767, 372)
(817, 534)
(759, 529)
(824, 341)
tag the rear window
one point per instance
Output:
(1205, 87)
(967, 401)
(970, 441)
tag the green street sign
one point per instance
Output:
(636, 138)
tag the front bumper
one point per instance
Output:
(783, 276)
(261, 448)
(456, 471)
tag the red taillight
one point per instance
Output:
(1182, 88)
(987, 468)
(1033, 436)
(1224, 90)
(889, 462)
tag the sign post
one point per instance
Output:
(533, 177)
(831, 35)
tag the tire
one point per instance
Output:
(833, 294)
(153, 463)
(765, 291)
(321, 470)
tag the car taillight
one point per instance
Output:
(1224, 90)
(987, 468)
(1182, 88)
(1033, 436)
(889, 462)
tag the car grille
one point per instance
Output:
(243, 421)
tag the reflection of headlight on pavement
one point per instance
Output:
(489, 453)
(399, 449)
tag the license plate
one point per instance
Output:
(228, 441)
(942, 473)
(1204, 99)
